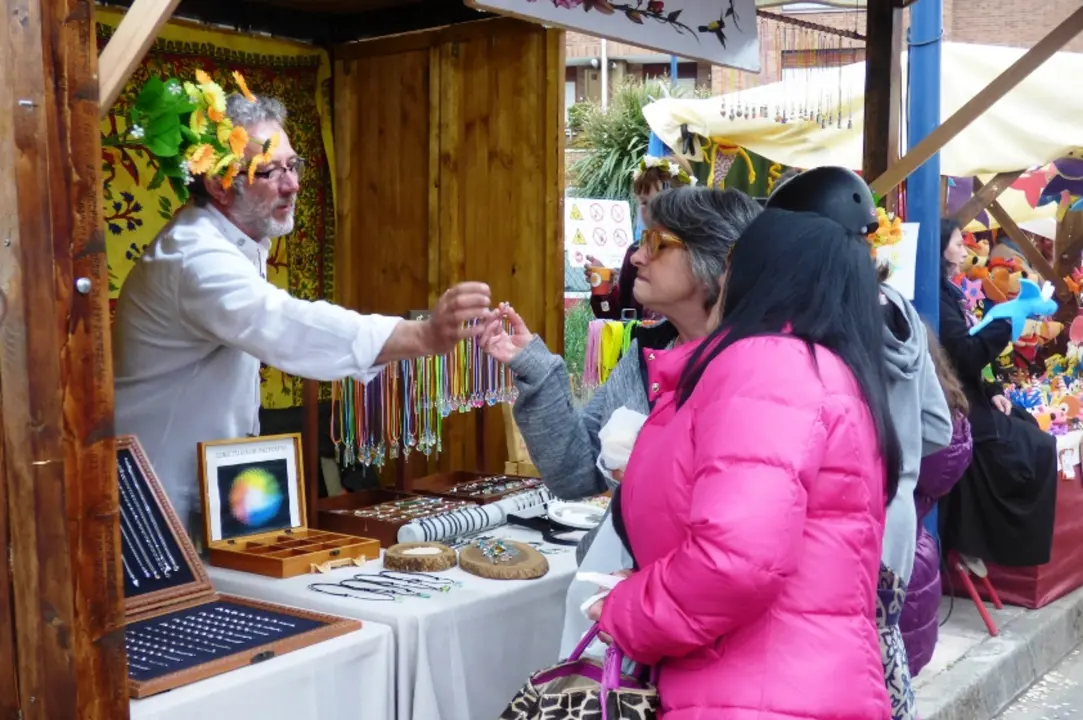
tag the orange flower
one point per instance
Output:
(253, 168)
(243, 87)
(203, 78)
(215, 114)
(238, 140)
(201, 158)
(231, 173)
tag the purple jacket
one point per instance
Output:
(938, 475)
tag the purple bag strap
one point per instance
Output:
(584, 643)
(611, 669)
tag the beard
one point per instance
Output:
(258, 214)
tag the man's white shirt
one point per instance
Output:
(195, 318)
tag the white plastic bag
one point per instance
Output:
(618, 437)
(606, 555)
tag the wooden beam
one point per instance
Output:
(56, 410)
(129, 44)
(984, 195)
(310, 450)
(977, 105)
(1033, 255)
(884, 30)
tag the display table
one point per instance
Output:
(346, 678)
(1038, 585)
(460, 655)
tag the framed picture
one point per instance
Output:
(251, 486)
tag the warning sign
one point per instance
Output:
(600, 228)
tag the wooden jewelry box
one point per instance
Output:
(480, 488)
(177, 629)
(254, 510)
(380, 513)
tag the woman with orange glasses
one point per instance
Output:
(680, 261)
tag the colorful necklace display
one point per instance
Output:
(403, 408)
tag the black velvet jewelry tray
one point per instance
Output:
(164, 613)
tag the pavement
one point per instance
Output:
(974, 676)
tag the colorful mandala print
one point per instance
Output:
(301, 263)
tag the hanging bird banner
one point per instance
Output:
(720, 32)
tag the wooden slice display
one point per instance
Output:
(419, 557)
(525, 564)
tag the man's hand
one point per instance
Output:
(460, 304)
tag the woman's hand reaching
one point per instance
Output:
(1002, 404)
(497, 342)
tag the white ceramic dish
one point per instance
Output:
(578, 515)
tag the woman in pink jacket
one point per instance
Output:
(755, 497)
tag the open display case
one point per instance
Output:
(480, 488)
(254, 510)
(177, 629)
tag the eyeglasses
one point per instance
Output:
(295, 166)
(653, 240)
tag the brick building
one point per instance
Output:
(990, 22)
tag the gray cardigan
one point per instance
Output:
(563, 441)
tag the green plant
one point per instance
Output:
(616, 138)
(576, 320)
(578, 114)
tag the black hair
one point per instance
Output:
(948, 227)
(806, 276)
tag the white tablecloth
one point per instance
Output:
(461, 655)
(345, 678)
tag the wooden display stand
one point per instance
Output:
(279, 544)
(177, 629)
(446, 485)
(338, 514)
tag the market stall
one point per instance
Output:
(460, 654)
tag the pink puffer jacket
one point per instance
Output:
(756, 515)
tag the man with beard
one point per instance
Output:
(197, 316)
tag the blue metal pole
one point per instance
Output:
(923, 186)
(673, 70)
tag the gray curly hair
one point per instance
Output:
(708, 222)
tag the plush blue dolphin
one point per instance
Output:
(1030, 303)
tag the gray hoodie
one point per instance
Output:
(922, 420)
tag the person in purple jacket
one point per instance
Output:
(938, 475)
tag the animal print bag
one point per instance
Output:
(581, 689)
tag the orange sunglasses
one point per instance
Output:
(653, 240)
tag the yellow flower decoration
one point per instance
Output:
(198, 122)
(243, 87)
(203, 78)
(231, 173)
(201, 158)
(237, 141)
(225, 162)
(269, 148)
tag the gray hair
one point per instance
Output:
(708, 222)
(244, 112)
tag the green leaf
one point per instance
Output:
(164, 205)
(163, 125)
(188, 135)
(180, 189)
(150, 97)
(164, 146)
(156, 181)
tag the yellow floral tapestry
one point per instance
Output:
(300, 76)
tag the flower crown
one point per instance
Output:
(184, 126)
(889, 230)
(664, 165)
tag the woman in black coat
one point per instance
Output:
(1003, 507)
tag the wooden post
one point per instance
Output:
(310, 449)
(56, 412)
(883, 78)
(1033, 255)
(977, 105)
(130, 42)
